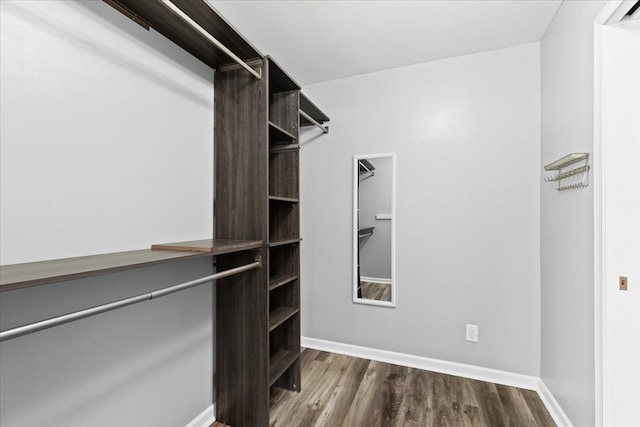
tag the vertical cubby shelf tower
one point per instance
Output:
(257, 191)
(256, 165)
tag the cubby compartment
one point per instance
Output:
(284, 352)
(283, 174)
(283, 260)
(283, 304)
(284, 220)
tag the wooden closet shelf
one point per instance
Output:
(284, 199)
(18, 276)
(210, 246)
(279, 80)
(280, 361)
(311, 109)
(284, 242)
(278, 134)
(175, 29)
(280, 315)
(281, 279)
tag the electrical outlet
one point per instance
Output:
(472, 333)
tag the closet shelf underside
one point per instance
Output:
(25, 275)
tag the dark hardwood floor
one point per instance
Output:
(345, 391)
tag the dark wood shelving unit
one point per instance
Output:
(268, 312)
(284, 229)
(256, 200)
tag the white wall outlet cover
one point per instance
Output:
(472, 333)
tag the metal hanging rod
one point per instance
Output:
(369, 171)
(283, 148)
(77, 315)
(173, 8)
(325, 129)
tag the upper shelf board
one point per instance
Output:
(279, 80)
(566, 161)
(17, 276)
(311, 109)
(168, 24)
(210, 246)
(26, 275)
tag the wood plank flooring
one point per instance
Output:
(376, 291)
(346, 391)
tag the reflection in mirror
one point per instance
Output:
(374, 230)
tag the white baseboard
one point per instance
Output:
(375, 280)
(205, 419)
(442, 366)
(554, 408)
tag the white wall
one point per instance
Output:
(106, 145)
(146, 365)
(466, 132)
(621, 197)
(566, 219)
(107, 134)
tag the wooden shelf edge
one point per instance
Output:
(284, 242)
(26, 275)
(281, 132)
(279, 363)
(284, 199)
(210, 246)
(281, 280)
(280, 315)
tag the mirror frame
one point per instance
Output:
(354, 228)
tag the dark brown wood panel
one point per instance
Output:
(281, 360)
(18, 276)
(279, 80)
(211, 246)
(241, 176)
(242, 362)
(168, 24)
(284, 111)
(284, 175)
(283, 260)
(284, 221)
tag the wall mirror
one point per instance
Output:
(374, 217)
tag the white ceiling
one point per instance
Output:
(325, 40)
